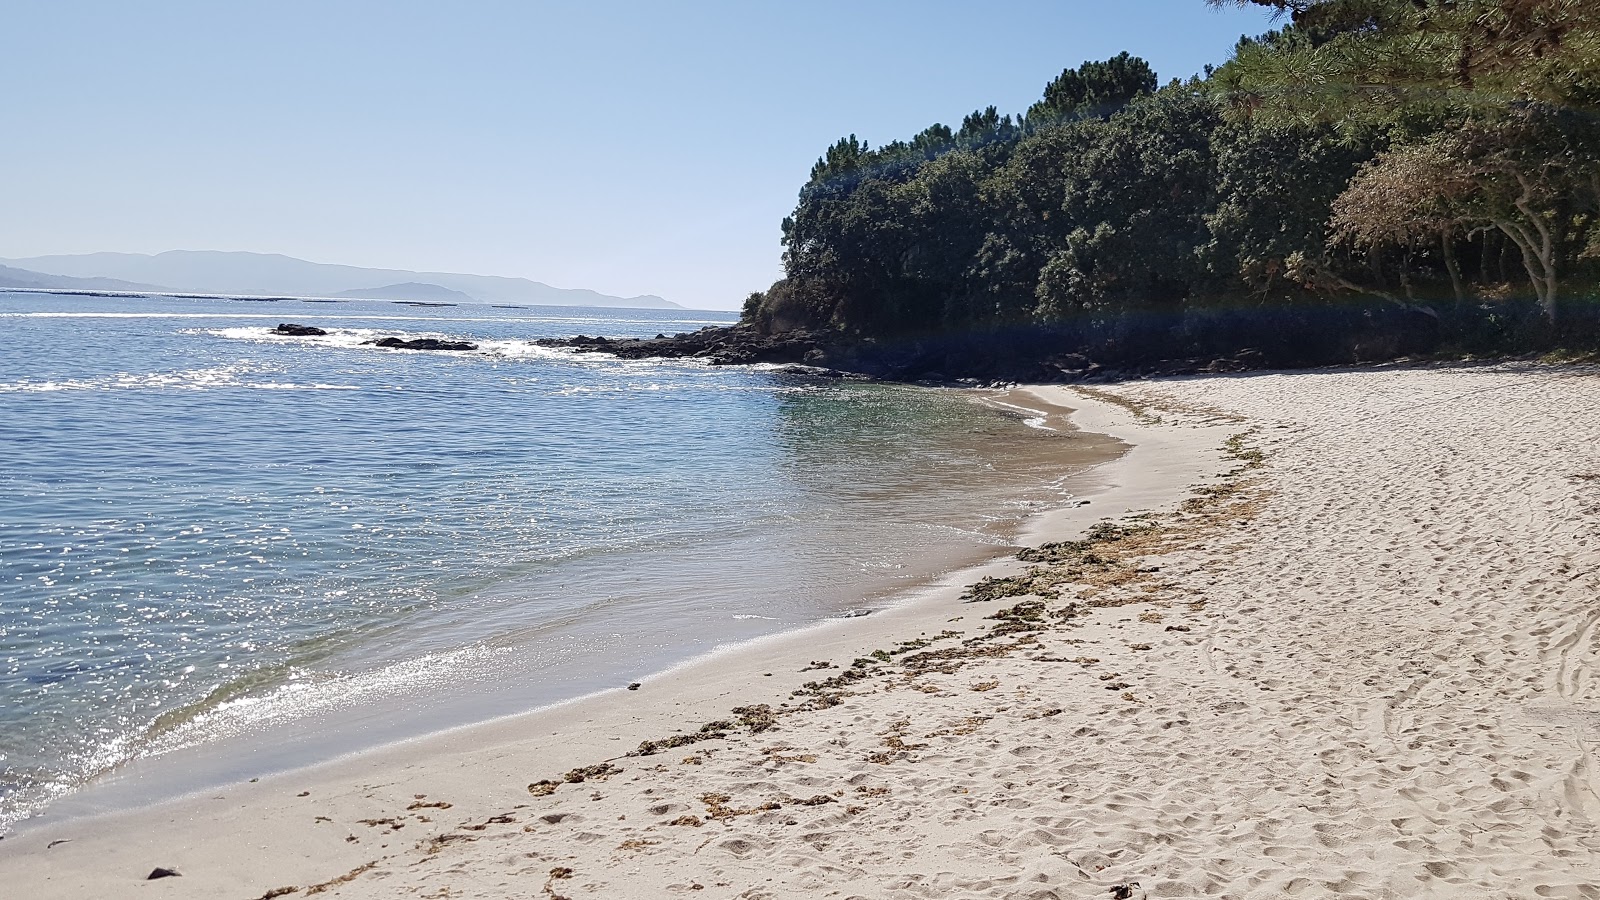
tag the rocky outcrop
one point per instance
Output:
(292, 330)
(988, 358)
(394, 343)
(721, 346)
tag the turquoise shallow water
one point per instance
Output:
(208, 533)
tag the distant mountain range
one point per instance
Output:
(22, 278)
(271, 274)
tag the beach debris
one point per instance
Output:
(1124, 891)
(438, 842)
(757, 718)
(501, 819)
(817, 800)
(709, 731)
(346, 878)
(635, 686)
(962, 728)
(58, 841)
(292, 330)
(717, 807)
(162, 872)
(279, 892)
(597, 772)
(422, 804)
(894, 739)
(779, 756)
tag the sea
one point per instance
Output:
(259, 552)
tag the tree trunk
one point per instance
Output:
(1375, 266)
(1448, 249)
(1538, 249)
(1538, 258)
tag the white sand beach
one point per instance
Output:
(1348, 651)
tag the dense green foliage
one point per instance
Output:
(1377, 177)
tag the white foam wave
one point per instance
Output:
(1032, 418)
(362, 338)
(191, 379)
(497, 348)
(322, 694)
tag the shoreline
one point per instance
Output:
(603, 724)
(392, 718)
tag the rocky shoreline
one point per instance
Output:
(981, 359)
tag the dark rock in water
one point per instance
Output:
(293, 330)
(395, 343)
(814, 371)
(724, 346)
(160, 872)
(993, 359)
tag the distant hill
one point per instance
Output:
(219, 272)
(23, 278)
(410, 290)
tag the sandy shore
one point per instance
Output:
(1348, 653)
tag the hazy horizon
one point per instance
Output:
(244, 273)
(619, 147)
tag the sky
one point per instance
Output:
(626, 147)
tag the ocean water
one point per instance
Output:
(215, 537)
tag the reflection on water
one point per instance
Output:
(208, 534)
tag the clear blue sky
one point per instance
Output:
(627, 147)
